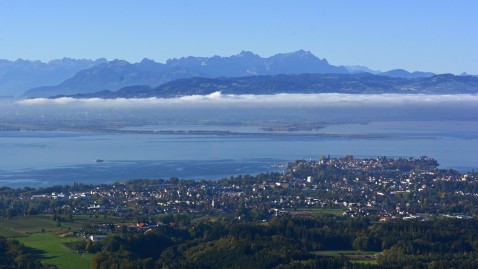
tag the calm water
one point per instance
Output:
(48, 158)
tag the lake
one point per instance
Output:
(48, 158)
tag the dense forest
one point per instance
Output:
(293, 243)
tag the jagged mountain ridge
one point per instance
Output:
(102, 75)
(117, 74)
(247, 63)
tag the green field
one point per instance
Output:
(79, 220)
(25, 225)
(22, 226)
(315, 212)
(38, 233)
(355, 256)
(49, 249)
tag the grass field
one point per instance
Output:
(22, 226)
(323, 211)
(355, 256)
(38, 233)
(49, 249)
(25, 225)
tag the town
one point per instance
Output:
(327, 213)
(382, 188)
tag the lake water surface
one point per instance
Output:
(48, 158)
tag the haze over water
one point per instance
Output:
(446, 130)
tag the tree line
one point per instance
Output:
(290, 242)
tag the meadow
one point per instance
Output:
(355, 256)
(317, 212)
(40, 234)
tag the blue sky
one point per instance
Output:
(426, 35)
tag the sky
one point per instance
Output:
(427, 35)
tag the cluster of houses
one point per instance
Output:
(382, 187)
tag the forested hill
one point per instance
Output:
(363, 83)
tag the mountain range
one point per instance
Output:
(19, 76)
(72, 77)
(117, 74)
(363, 83)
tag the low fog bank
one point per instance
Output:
(281, 100)
(239, 108)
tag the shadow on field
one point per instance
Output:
(38, 253)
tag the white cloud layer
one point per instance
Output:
(288, 100)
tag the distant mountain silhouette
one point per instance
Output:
(18, 76)
(113, 75)
(355, 69)
(363, 83)
(71, 77)
(400, 73)
(117, 74)
(247, 63)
